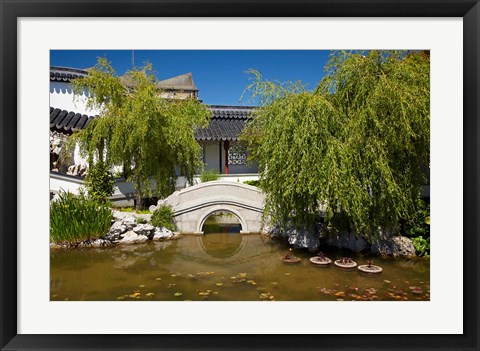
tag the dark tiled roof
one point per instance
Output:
(65, 74)
(226, 124)
(235, 112)
(221, 129)
(67, 122)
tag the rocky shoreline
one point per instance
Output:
(386, 244)
(125, 230)
(131, 228)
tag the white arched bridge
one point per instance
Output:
(193, 205)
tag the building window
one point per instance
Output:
(237, 155)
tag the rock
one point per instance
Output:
(162, 233)
(101, 243)
(144, 229)
(78, 170)
(395, 246)
(118, 216)
(349, 241)
(131, 237)
(129, 222)
(299, 238)
(118, 228)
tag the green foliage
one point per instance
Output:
(355, 146)
(419, 223)
(421, 245)
(73, 219)
(99, 182)
(252, 183)
(163, 217)
(209, 176)
(137, 129)
(139, 220)
(132, 209)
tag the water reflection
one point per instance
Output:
(226, 266)
(221, 245)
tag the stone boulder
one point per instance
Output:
(145, 229)
(394, 246)
(298, 238)
(118, 228)
(131, 237)
(126, 230)
(162, 233)
(80, 170)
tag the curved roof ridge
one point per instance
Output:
(181, 82)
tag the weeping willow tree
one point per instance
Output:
(353, 150)
(149, 136)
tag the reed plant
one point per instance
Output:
(78, 218)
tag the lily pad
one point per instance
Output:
(149, 294)
(158, 278)
(287, 273)
(218, 284)
(121, 298)
(141, 286)
(178, 294)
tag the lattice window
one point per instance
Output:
(237, 155)
(201, 157)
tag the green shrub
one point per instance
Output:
(209, 176)
(99, 182)
(421, 245)
(163, 217)
(419, 224)
(252, 183)
(74, 219)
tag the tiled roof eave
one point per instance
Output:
(225, 125)
(67, 122)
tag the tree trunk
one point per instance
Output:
(101, 148)
(138, 196)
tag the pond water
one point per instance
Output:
(227, 266)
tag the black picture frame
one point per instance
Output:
(11, 10)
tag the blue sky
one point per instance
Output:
(218, 74)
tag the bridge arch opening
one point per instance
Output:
(221, 220)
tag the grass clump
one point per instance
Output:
(78, 218)
(209, 176)
(163, 217)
